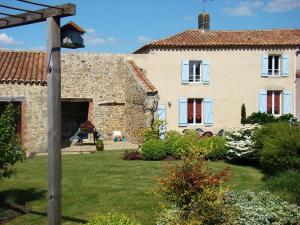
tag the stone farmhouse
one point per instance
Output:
(108, 90)
(200, 77)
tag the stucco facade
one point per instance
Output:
(235, 78)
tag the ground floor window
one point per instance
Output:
(274, 102)
(194, 111)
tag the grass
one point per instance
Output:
(101, 183)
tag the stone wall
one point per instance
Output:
(34, 112)
(116, 97)
(135, 96)
(100, 78)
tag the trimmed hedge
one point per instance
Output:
(279, 147)
(154, 149)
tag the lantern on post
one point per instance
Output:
(72, 36)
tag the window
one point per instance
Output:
(274, 65)
(195, 71)
(274, 102)
(194, 111)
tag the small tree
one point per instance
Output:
(243, 114)
(10, 147)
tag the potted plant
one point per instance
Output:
(99, 145)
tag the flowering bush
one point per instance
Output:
(240, 143)
(263, 209)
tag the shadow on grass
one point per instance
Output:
(20, 196)
(13, 203)
(65, 218)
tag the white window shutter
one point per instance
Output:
(182, 112)
(264, 65)
(287, 102)
(285, 65)
(205, 72)
(208, 112)
(185, 71)
(262, 101)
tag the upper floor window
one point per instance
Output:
(274, 65)
(195, 71)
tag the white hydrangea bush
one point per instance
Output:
(239, 142)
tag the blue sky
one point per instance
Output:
(122, 26)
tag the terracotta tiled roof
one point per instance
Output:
(141, 76)
(247, 38)
(23, 67)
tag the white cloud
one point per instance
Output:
(93, 38)
(245, 8)
(90, 30)
(282, 5)
(142, 39)
(6, 40)
(188, 18)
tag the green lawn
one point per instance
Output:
(102, 183)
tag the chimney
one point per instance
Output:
(203, 21)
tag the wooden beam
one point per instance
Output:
(37, 16)
(54, 121)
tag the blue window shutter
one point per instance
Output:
(263, 101)
(264, 65)
(185, 71)
(182, 112)
(208, 112)
(285, 65)
(205, 72)
(287, 102)
(161, 112)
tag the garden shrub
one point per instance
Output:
(170, 139)
(10, 147)
(132, 155)
(262, 209)
(112, 219)
(279, 147)
(264, 118)
(240, 144)
(243, 114)
(153, 149)
(215, 147)
(286, 185)
(196, 193)
(151, 132)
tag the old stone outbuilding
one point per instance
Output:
(108, 90)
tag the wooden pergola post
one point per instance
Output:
(54, 120)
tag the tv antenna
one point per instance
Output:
(204, 2)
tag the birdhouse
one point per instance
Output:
(72, 36)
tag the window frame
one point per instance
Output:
(271, 72)
(194, 111)
(194, 73)
(273, 102)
